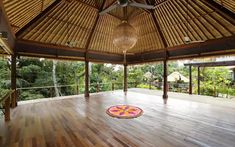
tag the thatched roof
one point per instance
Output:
(176, 76)
(76, 24)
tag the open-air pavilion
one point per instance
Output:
(83, 30)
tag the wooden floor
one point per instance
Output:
(83, 122)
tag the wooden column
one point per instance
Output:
(13, 81)
(190, 79)
(234, 74)
(87, 79)
(165, 85)
(7, 109)
(125, 78)
(198, 80)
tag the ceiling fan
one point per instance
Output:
(124, 3)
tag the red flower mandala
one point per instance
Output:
(124, 111)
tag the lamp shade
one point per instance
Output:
(124, 36)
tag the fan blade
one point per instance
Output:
(109, 9)
(139, 5)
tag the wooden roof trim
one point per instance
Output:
(21, 31)
(213, 47)
(37, 49)
(47, 45)
(212, 64)
(208, 48)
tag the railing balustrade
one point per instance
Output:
(75, 89)
(5, 104)
(65, 90)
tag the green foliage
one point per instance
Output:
(146, 86)
(4, 75)
(31, 94)
(216, 81)
(143, 86)
(32, 72)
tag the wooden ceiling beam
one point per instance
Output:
(209, 48)
(215, 47)
(37, 49)
(21, 31)
(211, 64)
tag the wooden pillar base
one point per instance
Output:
(87, 95)
(125, 92)
(14, 100)
(165, 100)
(7, 110)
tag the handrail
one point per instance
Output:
(6, 96)
(25, 88)
(7, 102)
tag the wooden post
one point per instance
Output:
(77, 89)
(97, 88)
(234, 75)
(7, 109)
(86, 79)
(51, 93)
(165, 86)
(13, 81)
(112, 86)
(190, 80)
(198, 80)
(125, 78)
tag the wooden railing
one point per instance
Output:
(74, 89)
(5, 103)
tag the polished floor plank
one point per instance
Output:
(78, 122)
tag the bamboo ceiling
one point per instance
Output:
(76, 23)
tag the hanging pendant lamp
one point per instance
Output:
(124, 36)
